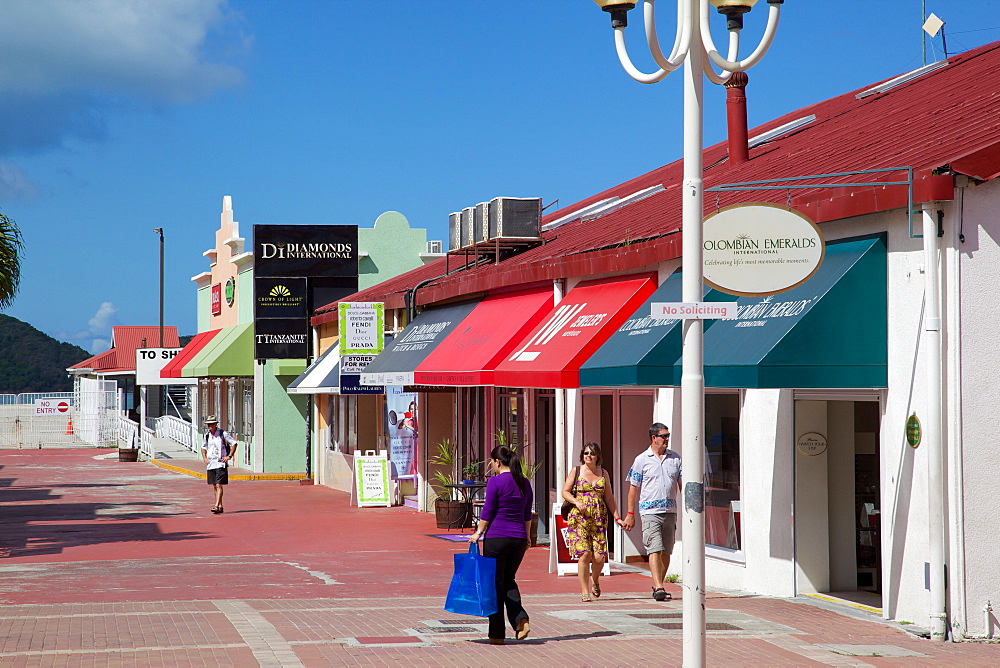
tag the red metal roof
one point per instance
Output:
(946, 119)
(125, 339)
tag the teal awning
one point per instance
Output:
(829, 332)
(643, 350)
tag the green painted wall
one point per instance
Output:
(204, 308)
(244, 299)
(284, 429)
(393, 247)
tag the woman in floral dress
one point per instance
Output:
(588, 488)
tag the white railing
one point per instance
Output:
(146, 442)
(126, 432)
(177, 430)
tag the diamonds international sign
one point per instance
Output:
(760, 249)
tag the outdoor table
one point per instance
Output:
(468, 491)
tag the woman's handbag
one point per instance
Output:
(473, 589)
(569, 505)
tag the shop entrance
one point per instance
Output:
(837, 499)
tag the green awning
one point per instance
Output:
(643, 350)
(230, 353)
(829, 332)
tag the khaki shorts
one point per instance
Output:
(658, 532)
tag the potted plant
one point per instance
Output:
(528, 470)
(449, 510)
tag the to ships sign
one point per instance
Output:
(760, 249)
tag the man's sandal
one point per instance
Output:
(661, 594)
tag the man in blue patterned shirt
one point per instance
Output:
(655, 479)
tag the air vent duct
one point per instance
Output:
(468, 226)
(481, 222)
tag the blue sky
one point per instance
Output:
(118, 116)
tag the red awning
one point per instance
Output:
(570, 333)
(483, 339)
(172, 369)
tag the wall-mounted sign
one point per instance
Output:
(280, 298)
(811, 443)
(913, 433)
(362, 328)
(693, 310)
(305, 250)
(217, 299)
(52, 406)
(230, 291)
(760, 249)
(281, 338)
(150, 361)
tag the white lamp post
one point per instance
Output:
(694, 48)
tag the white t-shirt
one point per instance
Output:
(214, 450)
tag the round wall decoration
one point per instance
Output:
(811, 443)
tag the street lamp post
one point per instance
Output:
(159, 230)
(694, 48)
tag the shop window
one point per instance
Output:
(722, 471)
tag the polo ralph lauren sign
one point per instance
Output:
(760, 249)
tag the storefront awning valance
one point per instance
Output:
(642, 351)
(395, 365)
(229, 353)
(175, 367)
(469, 355)
(322, 376)
(551, 355)
(829, 332)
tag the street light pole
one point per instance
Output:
(159, 230)
(694, 48)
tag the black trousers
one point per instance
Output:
(508, 552)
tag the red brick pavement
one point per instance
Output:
(109, 563)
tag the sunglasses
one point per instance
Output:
(590, 454)
(667, 435)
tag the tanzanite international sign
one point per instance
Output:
(760, 249)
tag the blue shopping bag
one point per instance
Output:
(473, 589)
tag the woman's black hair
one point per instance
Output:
(510, 458)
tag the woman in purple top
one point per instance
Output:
(503, 526)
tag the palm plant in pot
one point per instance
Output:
(450, 511)
(528, 469)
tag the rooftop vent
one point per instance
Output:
(433, 246)
(602, 208)
(771, 135)
(901, 79)
(455, 230)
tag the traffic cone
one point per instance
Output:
(69, 426)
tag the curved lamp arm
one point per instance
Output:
(730, 65)
(682, 38)
(627, 65)
(734, 50)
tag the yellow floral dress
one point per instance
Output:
(588, 530)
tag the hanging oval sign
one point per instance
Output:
(760, 249)
(811, 443)
(913, 432)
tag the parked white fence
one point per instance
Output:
(98, 410)
(37, 420)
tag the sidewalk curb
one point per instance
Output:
(252, 476)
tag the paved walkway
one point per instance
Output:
(111, 563)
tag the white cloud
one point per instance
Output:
(64, 64)
(97, 337)
(14, 184)
(103, 320)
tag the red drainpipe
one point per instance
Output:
(736, 117)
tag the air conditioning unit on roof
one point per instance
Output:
(468, 226)
(481, 222)
(515, 218)
(434, 247)
(455, 230)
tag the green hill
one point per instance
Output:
(31, 361)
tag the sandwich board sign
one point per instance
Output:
(372, 481)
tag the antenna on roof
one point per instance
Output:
(932, 26)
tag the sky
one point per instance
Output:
(120, 116)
